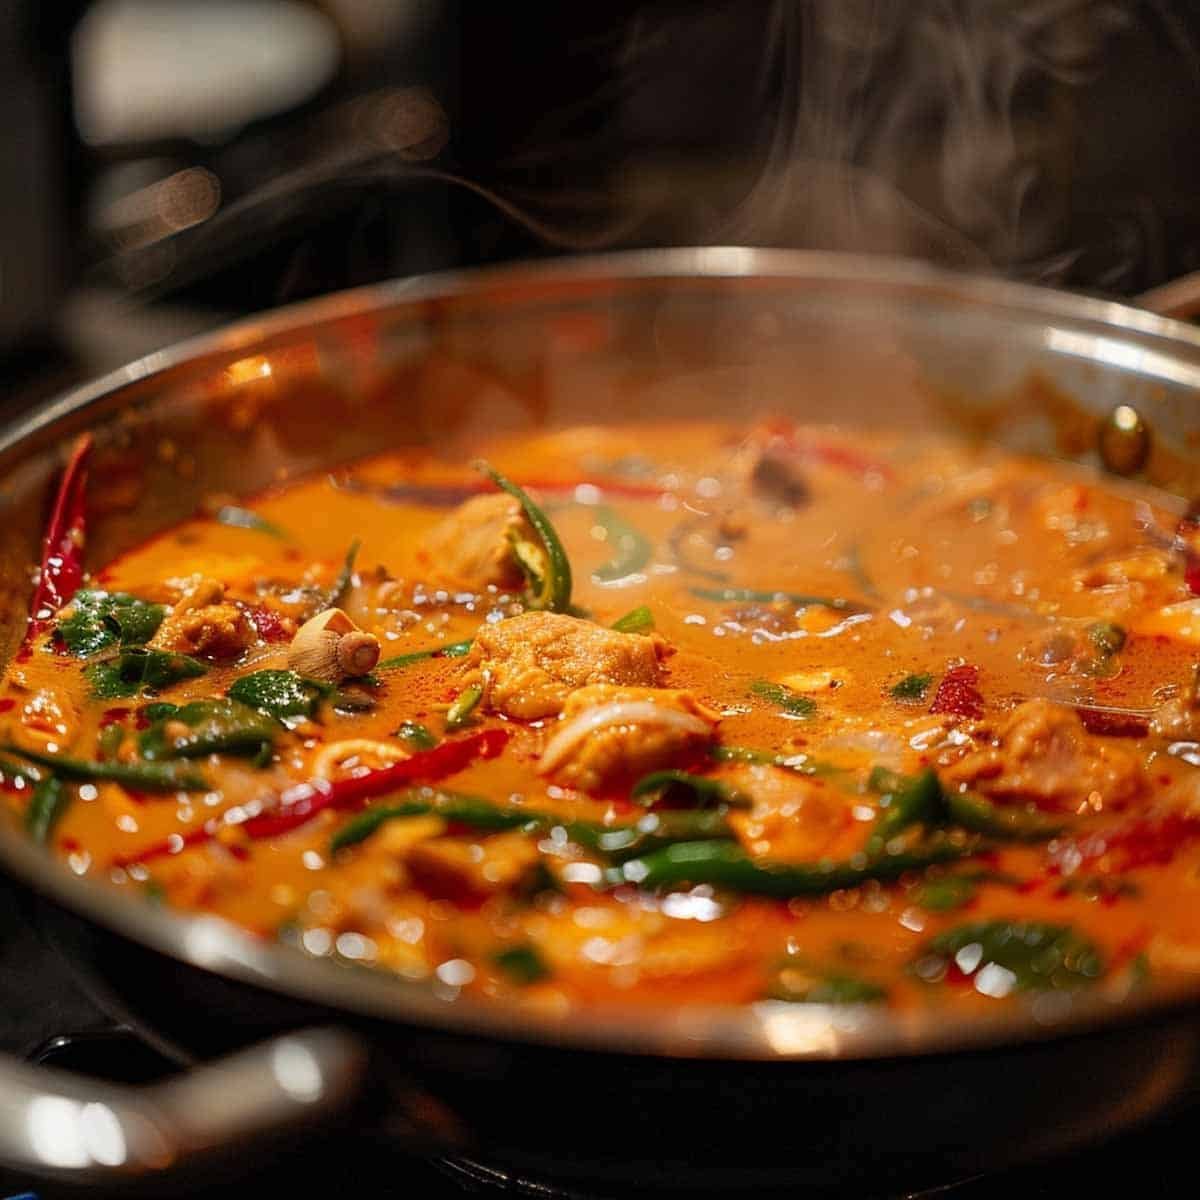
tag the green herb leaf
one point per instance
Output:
(244, 518)
(637, 620)
(134, 671)
(549, 589)
(796, 981)
(1107, 637)
(213, 727)
(416, 735)
(99, 620)
(46, 806)
(279, 693)
(911, 687)
(467, 701)
(1012, 956)
(450, 650)
(792, 703)
(522, 964)
(142, 777)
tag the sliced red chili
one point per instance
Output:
(301, 803)
(62, 550)
(957, 694)
(1107, 722)
(268, 624)
(1143, 842)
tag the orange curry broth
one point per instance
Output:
(963, 556)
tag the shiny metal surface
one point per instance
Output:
(721, 327)
(55, 1123)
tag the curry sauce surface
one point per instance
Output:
(851, 605)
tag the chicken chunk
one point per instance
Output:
(203, 625)
(609, 733)
(530, 664)
(473, 546)
(791, 819)
(455, 867)
(1043, 754)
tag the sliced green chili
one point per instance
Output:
(632, 550)
(450, 650)
(1008, 824)
(467, 701)
(726, 864)
(783, 698)
(142, 777)
(49, 801)
(906, 801)
(341, 585)
(549, 586)
(212, 727)
(637, 620)
(416, 735)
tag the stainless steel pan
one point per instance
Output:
(626, 337)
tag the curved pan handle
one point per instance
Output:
(93, 1132)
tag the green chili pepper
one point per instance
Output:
(756, 596)
(109, 742)
(783, 698)
(49, 801)
(700, 791)
(614, 841)
(416, 735)
(244, 518)
(726, 864)
(142, 777)
(632, 549)
(451, 650)
(341, 585)
(1008, 824)
(213, 727)
(637, 620)
(467, 701)
(906, 801)
(549, 585)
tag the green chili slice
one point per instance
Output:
(549, 587)
(632, 550)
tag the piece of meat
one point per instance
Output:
(472, 547)
(203, 625)
(791, 818)
(1044, 755)
(454, 867)
(610, 733)
(531, 663)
